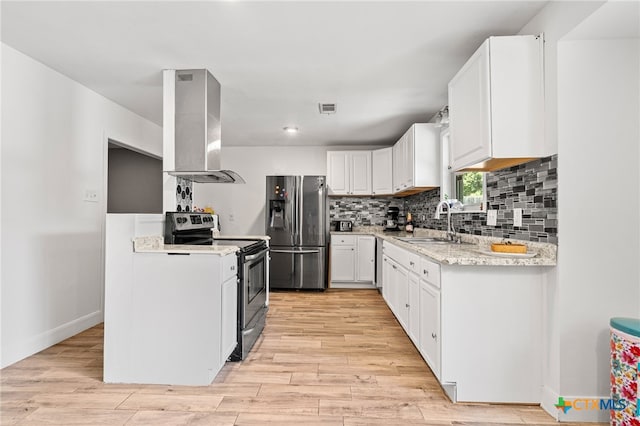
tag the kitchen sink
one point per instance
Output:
(420, 239)
(427, 241)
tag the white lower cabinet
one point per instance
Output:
(477, 327)
(353, 259)
(229, 319)
(429, 318)
(414, 309)
(343, 263)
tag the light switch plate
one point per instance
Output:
(517, 217)
(90, 195)
(492, 217)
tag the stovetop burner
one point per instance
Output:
(194, 228)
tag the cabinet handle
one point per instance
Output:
(411, 263)
(424, 271)
(233, 268)
(449, 167)
(394, 267)
(406, 305)
(434, 335)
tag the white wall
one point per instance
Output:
(246, 202)
(599, 212)
(555, 20)
(54, 141)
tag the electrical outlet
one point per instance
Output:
(492, 217)
(423, 217)
(90, 195)
(517, 217)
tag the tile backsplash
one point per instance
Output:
(363, 211)
(184, 195)
(532, 186)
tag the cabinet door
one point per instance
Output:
(409, 159)
(366, 255)
(398, 158)
(402, 296)
(338, 172)
(387, 272)
(430, 326)
(382, 171)
(343, 263)
(469, 111)
(360, 173)
(414, 309)
(229, 318)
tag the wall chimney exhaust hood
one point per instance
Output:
(191, 127)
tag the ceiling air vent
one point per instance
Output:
(327, 108)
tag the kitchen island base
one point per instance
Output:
(165, 322)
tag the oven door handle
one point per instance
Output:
(296, 251)
(257, 255)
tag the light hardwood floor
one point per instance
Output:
(332, 358)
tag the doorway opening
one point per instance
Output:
(134, 180)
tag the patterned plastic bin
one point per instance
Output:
(625, 364)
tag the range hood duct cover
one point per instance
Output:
(191, 127)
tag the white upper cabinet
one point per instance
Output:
(416, 160)
(349, 172)
(496, 105)
(382, 171)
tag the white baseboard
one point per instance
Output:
(550, 398)
(16, 351)
(352, 285)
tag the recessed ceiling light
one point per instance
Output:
(290, 129)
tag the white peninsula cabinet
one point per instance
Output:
(170, 318)
(353, 260)
(496, 105)
(349, 172)
(477, 327)
(416, 160)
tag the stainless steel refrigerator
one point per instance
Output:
(297, 221)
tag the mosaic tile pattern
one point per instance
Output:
(363, 211)
(532, 186)
(184, 195)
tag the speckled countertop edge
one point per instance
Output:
(155, 244)
(466, 254)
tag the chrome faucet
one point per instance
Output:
(451, 232)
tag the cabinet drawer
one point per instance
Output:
(343, 240)
(411, 261)
(430, 272)
(229, 266)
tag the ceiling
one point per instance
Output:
(385, 63)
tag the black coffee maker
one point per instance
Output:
(391, 222)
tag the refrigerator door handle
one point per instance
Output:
(300, 209)
(295, 251)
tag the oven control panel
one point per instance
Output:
(190, 220)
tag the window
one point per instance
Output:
(470, 189)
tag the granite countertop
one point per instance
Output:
(155, 244)
(463, 254)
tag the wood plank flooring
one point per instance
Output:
(332, 358)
